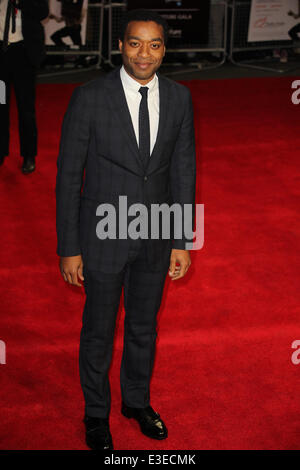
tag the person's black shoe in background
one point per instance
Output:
(28, 165)
(98, 436)
(150, 422)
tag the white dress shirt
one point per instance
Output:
(133, 98)
(12, 37)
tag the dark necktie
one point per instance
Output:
(10, 12)
(13, 14)
(144, 126)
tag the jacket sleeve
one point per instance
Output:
(34, 9)
(183, 169)
(70, 169)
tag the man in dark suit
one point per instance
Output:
(295, 30)
(21, 52)
(132, 133)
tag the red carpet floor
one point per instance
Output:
(223, 376)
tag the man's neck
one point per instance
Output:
(141, 82)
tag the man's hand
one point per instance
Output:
(71, 268)
(56, 18)
(183, 258)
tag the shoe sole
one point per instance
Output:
(91, 446)
(129, 416)
(27, 172)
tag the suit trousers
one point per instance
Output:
(16, 70)
(74, 32)
(143, 291)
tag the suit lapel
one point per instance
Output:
(120, 108)
(163, 110)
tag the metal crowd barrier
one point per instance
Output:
(94, 36)
(239, 42)
(216, 42)
(227, 37)
(116, 12)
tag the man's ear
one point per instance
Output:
(120, 45)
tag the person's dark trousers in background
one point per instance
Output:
(16, 70)
(293, 32)
(72, 31)
(143, 291)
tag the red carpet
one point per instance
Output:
(223, 376)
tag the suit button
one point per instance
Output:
(145, 178)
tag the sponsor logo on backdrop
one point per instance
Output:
(271, 20)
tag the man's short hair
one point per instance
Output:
(143, 15)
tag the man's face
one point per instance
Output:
(143, 49)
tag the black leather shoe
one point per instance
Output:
(98, 436)
(150, 423)
(2, 158)
(28, 165)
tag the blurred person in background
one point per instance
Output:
(21, 52)
(293, 33)
(71, 14)
(295, 30)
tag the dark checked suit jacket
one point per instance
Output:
(98, 145)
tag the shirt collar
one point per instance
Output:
(132, 85)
